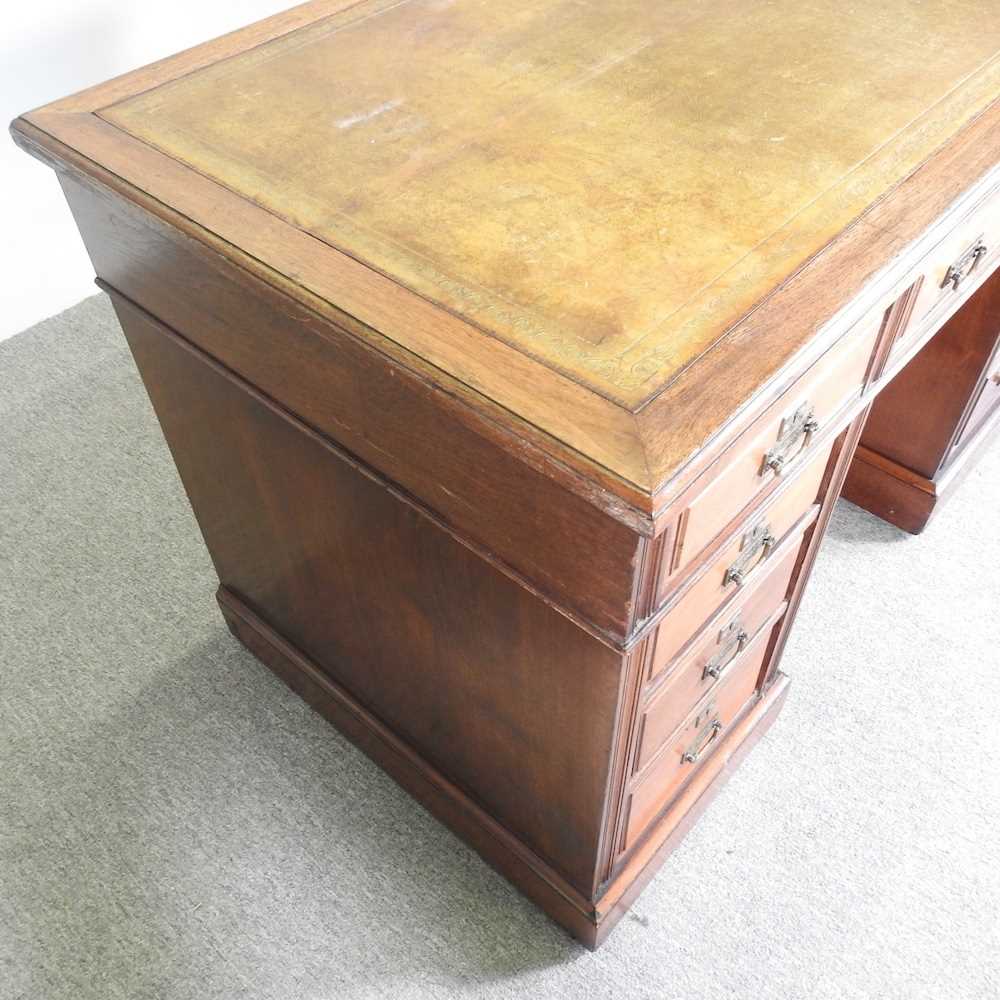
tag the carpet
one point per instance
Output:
(175, 824)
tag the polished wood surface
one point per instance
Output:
(665, 764)
(924, 427)
(962, 259)
(774, 445)
(663, 714)
(513, 358)
(482, 679)
(723, 638)
(915, 420)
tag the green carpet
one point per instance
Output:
(175, 824)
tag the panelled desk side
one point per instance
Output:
(556, 621)
(926, 430)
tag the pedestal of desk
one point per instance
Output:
(928, 425)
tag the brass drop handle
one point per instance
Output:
(701, 742)
(794, 436)
(732, 639)
(965, 265)
(755, 548)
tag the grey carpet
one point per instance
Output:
(175, 824)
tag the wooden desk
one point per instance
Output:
(513, 356)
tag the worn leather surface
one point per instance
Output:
(606, 186)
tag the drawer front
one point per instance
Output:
(745, 614)
(694, 741)
(965, 255)
(698, 674)
(742, 561)
(779, 442)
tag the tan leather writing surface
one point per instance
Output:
(604, 186)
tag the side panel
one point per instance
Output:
(499, 692)
(915, 418)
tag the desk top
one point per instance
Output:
(563, 206)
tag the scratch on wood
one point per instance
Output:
(351, 120)
(615, 59)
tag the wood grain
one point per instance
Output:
(917, 416)
(930, 411)
(507, 698)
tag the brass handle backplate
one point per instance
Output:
(732, 639)
(794, 436)
(965, 265)
(704, 739)
(756, 547)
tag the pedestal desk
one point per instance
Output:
(513, 356)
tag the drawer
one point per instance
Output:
(779, 442)
(742, 560)
(698, 674)
(692, 743)
(971, 250)
(746, 613)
